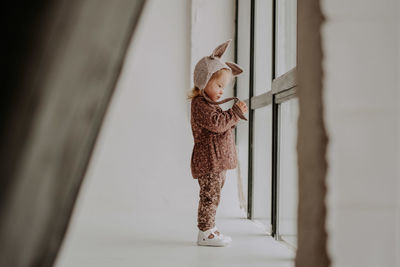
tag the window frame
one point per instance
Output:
(283, 89)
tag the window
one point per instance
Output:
(266, 48)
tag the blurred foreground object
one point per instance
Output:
(61, 64)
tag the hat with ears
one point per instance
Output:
(208, 65)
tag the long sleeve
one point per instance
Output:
(212, 118)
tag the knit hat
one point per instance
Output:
(208, 65)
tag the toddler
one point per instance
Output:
(214, 149)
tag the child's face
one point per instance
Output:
(215, 87)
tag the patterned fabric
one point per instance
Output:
(214, 146)
(210, 193)
(235, 107)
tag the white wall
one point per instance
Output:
(144, 149)
(361, 59)
(146, 136)
(139, 175)
(398, 140)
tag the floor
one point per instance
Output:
(115, 243)
(106, 231)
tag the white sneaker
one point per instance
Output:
(216, 241)
(223, 236)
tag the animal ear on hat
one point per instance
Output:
(236, 70)
(219, 51)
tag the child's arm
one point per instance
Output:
(213, 119)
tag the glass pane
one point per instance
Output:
(242, 129)
(243, 48)
(262, 46)
(287, 180)
(285, 36)
(243, 157)
(262, 165)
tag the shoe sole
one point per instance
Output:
(212, 245)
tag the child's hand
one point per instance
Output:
(242, 105)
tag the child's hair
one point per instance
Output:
(195, 91)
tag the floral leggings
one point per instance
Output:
(210, 192)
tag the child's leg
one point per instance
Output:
(210, 191)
